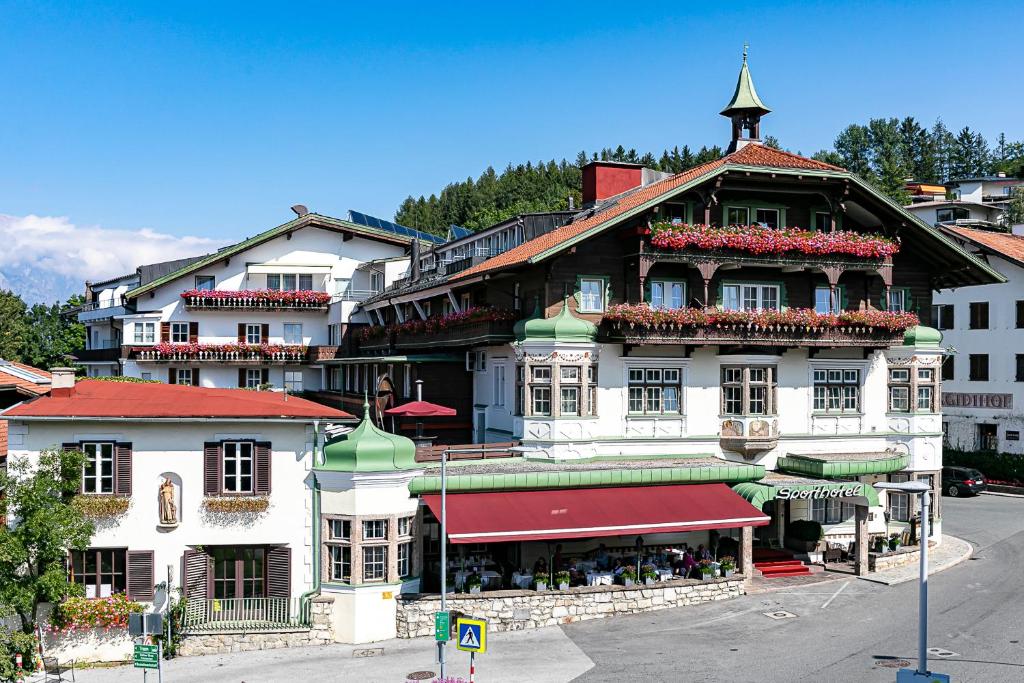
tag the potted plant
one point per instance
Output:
(648, 574)
(474, 582)
(562, 580)
(880, 545)
(803, 535)
(540, 581)
(707, 571)
(727, 563)
(894, 542)
(628, 576)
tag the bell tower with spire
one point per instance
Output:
(745, 109)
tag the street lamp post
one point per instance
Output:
(912, 487)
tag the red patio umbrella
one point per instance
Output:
(419, 410)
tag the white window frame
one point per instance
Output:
(183, 376)
(253, 378)
(403, 555)
(290, 338)
(380, 566)
(734, 296)
(836, 390)
(242, 452)
(778, 216)
(499, 385)
(667, 288)
(291, 384)
(254, 333)
(201, 280)
(145, 332)
(590, 302)
(339, 562)
(647, 387)
(377, 524)
(93, 451)
(179, 333)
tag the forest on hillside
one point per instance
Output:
(885, 152)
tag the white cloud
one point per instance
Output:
(55, 245)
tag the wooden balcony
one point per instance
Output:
(469, 334)
(214, 353)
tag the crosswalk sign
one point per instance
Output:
(472, 635)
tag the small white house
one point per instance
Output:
(205, 489)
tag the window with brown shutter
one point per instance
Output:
(123, 469)
(241, 335)
(172, 375)
(279, 572)
(265, 376)
(241, 378)
(211, 468)
(193, 333)
(140, 575)
(165, 332)
(265, 333)
(196, 582)
(263, 469)
(195, 377)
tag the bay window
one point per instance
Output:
(748, 390)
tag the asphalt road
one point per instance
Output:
(842, 630)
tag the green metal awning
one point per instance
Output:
(830, 465)
(757, 493)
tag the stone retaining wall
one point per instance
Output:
(222, 642)
(880, 562)
(516, 610)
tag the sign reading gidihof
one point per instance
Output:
(820, 491)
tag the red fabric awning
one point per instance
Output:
(584, 513)
(420, 409)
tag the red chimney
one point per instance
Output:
(603, 179)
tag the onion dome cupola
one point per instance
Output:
(919, 335)
(369, 449)
(745, 109)
(564, 327)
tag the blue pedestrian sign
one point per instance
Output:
(472, 635)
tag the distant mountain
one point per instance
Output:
(38, 286)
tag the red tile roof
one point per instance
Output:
(98, 398)
(1008, 245)
(752, 154)
(13, 381)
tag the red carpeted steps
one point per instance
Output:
(775, 563)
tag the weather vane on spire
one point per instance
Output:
(745, 46)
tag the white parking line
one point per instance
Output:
(835, 595)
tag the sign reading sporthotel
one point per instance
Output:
(955, 399)
(820, 491)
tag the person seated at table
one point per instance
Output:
(619, 567)
(540, 566)
(703, 553)
(601, 557)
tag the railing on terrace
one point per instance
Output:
(279, 354)
(245, 614)
(318, 301)
(753, 335)
(95, 305)
(479, 451)
(468, 334)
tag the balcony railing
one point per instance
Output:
(639, 324)
(220, 353)
(470, 334)
(245, 614)
(256, 300)
(104, 354)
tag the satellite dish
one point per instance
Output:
(300, 210)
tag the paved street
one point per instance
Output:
(843, 630)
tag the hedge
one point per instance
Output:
(997, 467)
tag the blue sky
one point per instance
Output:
(211, 119)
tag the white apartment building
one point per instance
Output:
(983, 327)
(264, 311)
(973, 202)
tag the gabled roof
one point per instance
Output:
(24, 379)
(1004, 244)
(308, 220)
(92, 398)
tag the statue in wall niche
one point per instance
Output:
(168, 509)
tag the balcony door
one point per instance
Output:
(239, 572)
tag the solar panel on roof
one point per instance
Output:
(457, 232)
(382, 224)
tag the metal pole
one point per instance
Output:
(160, 661)
(444, 554)
(922, 615)
(472, 666)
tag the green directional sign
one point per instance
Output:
(147, 657)
(441, 626)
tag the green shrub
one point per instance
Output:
(998, 466)
(122, 378)
(11, 644)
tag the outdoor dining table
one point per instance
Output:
(488, 578)
(600, 578)
(664, 574)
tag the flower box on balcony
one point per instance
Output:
(220, 352)
(474, 325)
(764, 241)
(261, 299)
(639, 323)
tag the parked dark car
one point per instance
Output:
(959, 481)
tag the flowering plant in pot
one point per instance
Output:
(540, 581)
(474, 583)
(628, 576)
(707, 571)
(894, 541)
(649, 574)
(727, 563)
(562, 580)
